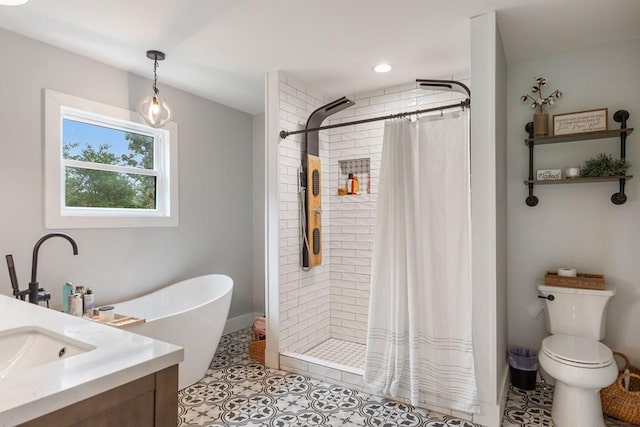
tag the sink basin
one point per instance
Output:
(30, 346)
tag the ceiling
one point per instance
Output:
(220, 49)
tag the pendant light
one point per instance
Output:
(154, 109)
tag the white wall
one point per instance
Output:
(487, 216)
(576, 225)
(272, 234)
(259, 191)
(215, 185)
(501, 213)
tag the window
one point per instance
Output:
(105, 168)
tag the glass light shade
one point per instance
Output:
(12, 2)
(154, 110)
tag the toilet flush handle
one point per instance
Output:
(549, 297)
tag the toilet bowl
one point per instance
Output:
(580, 364)
(581, 367)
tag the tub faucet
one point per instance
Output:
(35, 293)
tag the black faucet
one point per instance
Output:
(35, 293)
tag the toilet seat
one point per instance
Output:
(580, 352)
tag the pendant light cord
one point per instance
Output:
(155, 76)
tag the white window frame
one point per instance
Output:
(59, 106)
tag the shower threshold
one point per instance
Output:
(337, 354)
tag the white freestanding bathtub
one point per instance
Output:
(191, 314)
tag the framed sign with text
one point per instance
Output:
(580, 122)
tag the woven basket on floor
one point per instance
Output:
(620, 403)
(256, 350)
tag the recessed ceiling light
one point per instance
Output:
(382, 68)
(12, 2)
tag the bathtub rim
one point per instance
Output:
(227, 281)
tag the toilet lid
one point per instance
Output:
(577, 351)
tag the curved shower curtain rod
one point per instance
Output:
(447, 84)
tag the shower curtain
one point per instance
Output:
(419, 342)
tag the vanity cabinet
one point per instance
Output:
(148, 401)
(618, 198)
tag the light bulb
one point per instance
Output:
(154, 109)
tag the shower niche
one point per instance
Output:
(356, 168)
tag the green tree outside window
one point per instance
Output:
(85, 187)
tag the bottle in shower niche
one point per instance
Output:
(356, 185)
(88, 302)
(350, 184)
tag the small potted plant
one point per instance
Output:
(538, 101)
(604, 165)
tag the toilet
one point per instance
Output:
(574, 356)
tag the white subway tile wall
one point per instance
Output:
(331, 301)
(304, 295)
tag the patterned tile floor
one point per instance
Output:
(533, 409)
(239, 392)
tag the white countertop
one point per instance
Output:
(119, 357)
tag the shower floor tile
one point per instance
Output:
(337, 353)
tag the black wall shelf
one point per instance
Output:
(578, 180)
(602, 134)
(618, 198)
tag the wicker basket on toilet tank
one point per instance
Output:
(581, 281)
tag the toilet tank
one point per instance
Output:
(577, 312)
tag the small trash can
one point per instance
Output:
(523, 364)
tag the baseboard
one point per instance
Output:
(271, 359)
(239, 322)
(504, 389)
(490, 414)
